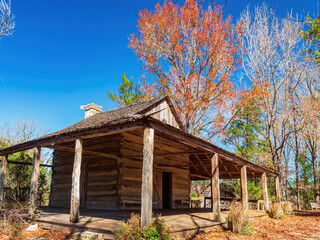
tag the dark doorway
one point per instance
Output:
(166, 190)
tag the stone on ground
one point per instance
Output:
(87, 236)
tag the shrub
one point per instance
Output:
(287, 208)
(14, 218)
(238, 219)
(275, 211)
(131, 230)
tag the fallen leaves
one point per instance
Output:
(303, 225)
(39, 234)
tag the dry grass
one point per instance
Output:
(238, 219)
(287, 208)
(276, 211)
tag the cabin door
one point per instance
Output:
(157, 188)
(166, 190)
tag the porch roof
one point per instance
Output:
(131, 117)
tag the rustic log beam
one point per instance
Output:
(278, 189)
(85, 152)
(244, 187)
(215, 189)
(193, 141)
(200, 176)
(265, 191)
(34, 182)
(147, 176)
(3, 172)
(75, 191)
(28, 163)
(72, 137)
(201, 163)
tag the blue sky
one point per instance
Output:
(68, 53)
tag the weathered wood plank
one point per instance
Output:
(92, 153)
(278, 189)
(244, 187)
(147, 178)
(215, 188)
(265, 191)
(34, 182)
(3, 172)
(75, 191)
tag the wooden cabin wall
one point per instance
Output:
(131, 168)
(165, 115)
(99, 175)
(61, 179)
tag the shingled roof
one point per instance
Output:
(117, 116)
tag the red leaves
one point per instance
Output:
(192, 53)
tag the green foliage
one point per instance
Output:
(244, 133)
(254, 188)
(131, 230)
(129, 92)
(312, 35)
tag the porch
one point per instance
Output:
(183, 221)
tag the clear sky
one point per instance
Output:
(68, 53)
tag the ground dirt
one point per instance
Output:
(303, 225)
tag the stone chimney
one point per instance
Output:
(91, 109)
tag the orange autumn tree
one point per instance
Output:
(189, 54)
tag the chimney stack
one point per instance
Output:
(91, 109)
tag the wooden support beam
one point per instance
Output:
(200, 176)
(75, 191)
(34, 182)
(215, 189)
(278, 189)
(147, 176)
(68, 137)
(201, 163)
(28, 163)
(265, 191)
(85, 152)
(3, 172)
(244, 187)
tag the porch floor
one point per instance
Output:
(183, 221)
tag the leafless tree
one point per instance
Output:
(275, 61)
(7, 23)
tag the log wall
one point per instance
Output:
(106, 181)
(99, 175)
(130, 172)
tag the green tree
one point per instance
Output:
(129, 92)
(312, 35)
(244, 133)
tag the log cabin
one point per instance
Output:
(137, 157)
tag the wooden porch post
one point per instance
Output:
(75, 191)
(34, 182)
(265, 191)
(3, 172)
(278, 189)
(244, 188)
(215, 189)
(147, 178)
